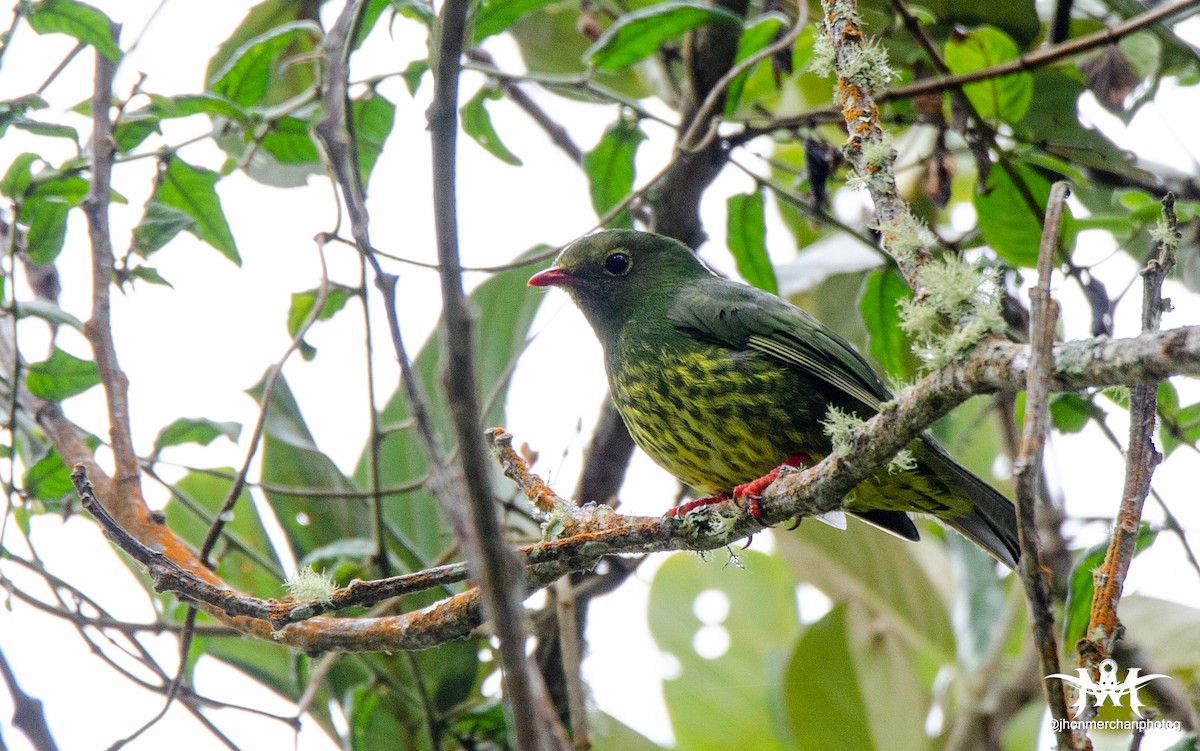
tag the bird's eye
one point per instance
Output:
(617, 264)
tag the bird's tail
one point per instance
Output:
(992, 523)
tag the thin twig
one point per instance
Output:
(1104, 627)
(1027, 470)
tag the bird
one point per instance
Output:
(722, 384)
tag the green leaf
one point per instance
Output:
(246, 77)
(49, 479)
(1007, 222)
(195, 430)
(290, 142)
(192, 190)
(1070, 413)
(852, 686)
(61, 376)
(882, 292)
(862, 564)
(80, 20)
(247, 560)
(477, 124)
(47, 311)
(149, 275)
(291, 459)
(413, 73)
(1170, 632)
(1077, 610)
(1007, 97)
(759, 33)
(44, 212)
(51, 130)
(695, 605)
(160, 224)
(372, 118)
(47, 220)
(611, 171)
(495, 16)
(1184, 428)
(134, 128)
(302, 305)
(641, 33)
(1018, 18)
(187, 105)
(746, 235)
(18, 176)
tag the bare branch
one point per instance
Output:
(1104, 627)
(1028, 468)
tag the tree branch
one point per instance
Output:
(1104, 627)
(1028, 468)
(590, 533)
(492, 564)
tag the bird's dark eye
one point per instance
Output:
(617, 263)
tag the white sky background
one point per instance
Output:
(193, 350)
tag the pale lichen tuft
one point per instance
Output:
(307, 584)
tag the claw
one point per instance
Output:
(752, 491)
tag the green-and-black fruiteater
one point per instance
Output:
(720, 383)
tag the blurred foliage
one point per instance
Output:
(911, 637)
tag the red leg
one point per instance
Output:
(753, 490)
(686, 508)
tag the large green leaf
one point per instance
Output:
(862, 564)
(746, 236)
(611, 171)
(247, 76)
(507, 308)
(1007, 220)
(882, 291)
(759, 33)
(1006, 97)
(697, 604)
(851, 685)
(192, 190)
(641, 33)
(80, 20)
(245, 558)
(291, 459)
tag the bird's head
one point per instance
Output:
(617, 275)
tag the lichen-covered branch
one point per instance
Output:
(863, 73)
(587, 534)
(1104, 627)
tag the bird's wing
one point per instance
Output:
(746, 318)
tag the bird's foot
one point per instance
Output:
(683, 510)
(752, 491)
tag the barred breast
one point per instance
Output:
(712, 417)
